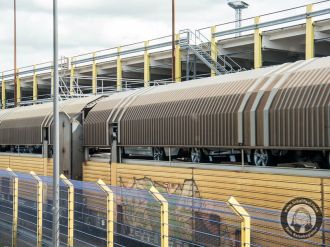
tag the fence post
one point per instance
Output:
(39, 208)
(70, 209)
(164, 215)
(110, 212)
(245, 221)
(15, 207)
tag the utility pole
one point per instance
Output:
(56, 149)
(15, 63)
(173, 40)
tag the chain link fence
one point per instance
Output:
(94, 214)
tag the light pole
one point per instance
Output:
(173, 40)
(15, 64)
(56, 149)
(238, 6)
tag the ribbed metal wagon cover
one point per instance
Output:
(95, 125)
(75, 106)
(197, 113)
(22, 125)
(299, 115)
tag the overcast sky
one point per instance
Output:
(87, 25)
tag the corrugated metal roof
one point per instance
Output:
(134, 109)
(284, 106)
(74, 106)
(95, 125)
(23, 125)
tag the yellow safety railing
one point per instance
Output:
(39, 208)
(164, 215)
(15, 207)
(70, 209)
(110, 212)
(245, 221)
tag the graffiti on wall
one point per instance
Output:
(186, 221)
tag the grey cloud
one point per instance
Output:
(87, 25)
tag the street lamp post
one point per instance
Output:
(56, 149)
(238, 6)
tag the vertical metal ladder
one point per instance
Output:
(202, 46)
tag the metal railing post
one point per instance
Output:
(177, 59)
(119, 70)
(110, 212)
(15, 207)
(35, 84)
(39, 208)
(18, 92)
(3, 93)
(164, 215)
(257, 44)
(310, 50)
(146, 65)
(72, 76)
(94, 75)
(214, 49)
(245, 221)
(70, 209)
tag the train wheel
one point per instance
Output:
(263, 157)
(159, 153)
(196, 155)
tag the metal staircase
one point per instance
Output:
(202, 46)
(65, 91)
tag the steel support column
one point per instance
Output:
(146, 65)
(257, 44)
(119, 71)
(35, 84)
(70, 210)
(310, 46)
(110, 212)
(94, 76)
(245, 221)
(39, 208)
(177, 59)
(3, 94)
(214, 48)
(164, 215)
(15, 207)
(72, 76)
